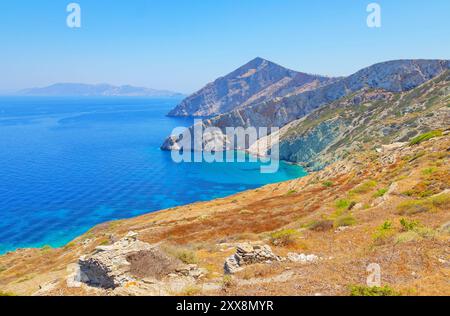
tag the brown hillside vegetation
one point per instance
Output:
(388, 206)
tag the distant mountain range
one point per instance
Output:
(89, 90)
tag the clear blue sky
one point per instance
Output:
(183, 44)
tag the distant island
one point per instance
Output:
(94, 90)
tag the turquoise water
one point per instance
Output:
(67, 164)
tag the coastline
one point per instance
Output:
(211, 231)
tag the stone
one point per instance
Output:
(302, 258)
(247, 254)
(108, 267)
(232, 265)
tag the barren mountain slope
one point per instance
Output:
(257, 81)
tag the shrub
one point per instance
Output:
(380, 193)
(413, 231)
(6, 293)
(228, 281)
(413, 207)
(321, 225)
(258, 271)
(190, 290)
(364, 187)
(284, 237)
(46, 248)
(328, 184)
(424, 205)
(361, 290)
(425, 232)
(424, 137)
(429, 171)
(344, 220)
(407, 237)
(185, 255)
(408, 225)
(383, 232)
(290, 192)
(342, 204)
(441, 200)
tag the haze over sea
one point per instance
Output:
(67, 164)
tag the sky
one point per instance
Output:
(181, 45)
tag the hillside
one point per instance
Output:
(364, 119)
(257, 81)
(88, 90)
(394, 76)
(387, 205)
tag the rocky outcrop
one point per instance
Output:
(109, 267)
(255, 82)
(247, 254)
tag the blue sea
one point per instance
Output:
(67, 164)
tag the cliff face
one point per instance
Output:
(365, 119)
(256, 82)
(394, 77)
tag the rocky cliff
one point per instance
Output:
(393, 76)
(255, 82)
(366, 118)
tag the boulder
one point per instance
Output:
(109, 267)
(247, 254)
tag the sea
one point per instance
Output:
(70, 163)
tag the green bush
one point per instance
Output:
(408, 225)
(284, 237)
(364, 188)
(328, 184)
(429, 171)
(441, 200)
(185, 255)
(427, 136)
(406, 237)
(380, 193)
(383, 232)
(321, 225)
(290, 192)
(343, 204)
(6, 294)
(190, 290)
(228, 281)
(361, 290)
(413, 207)
(344, 220)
